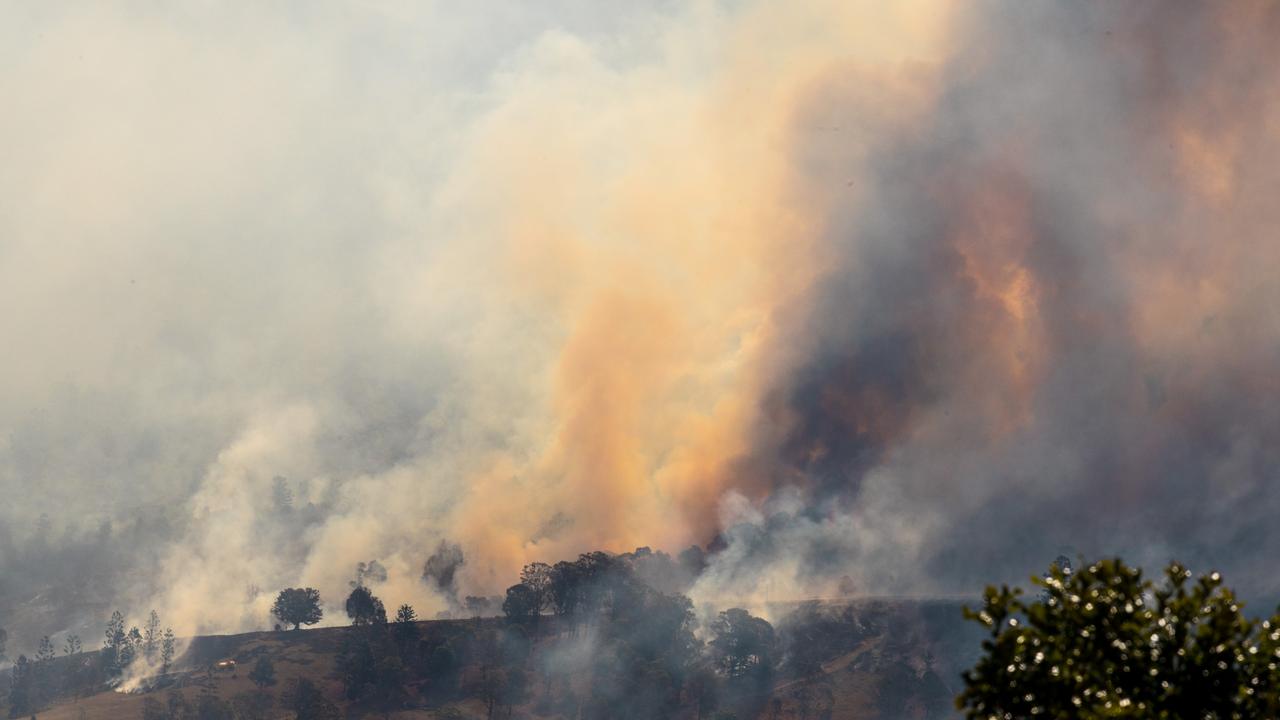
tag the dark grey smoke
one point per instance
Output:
(60, 579)
(1065, 146)
(441, 569)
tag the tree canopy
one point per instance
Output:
(537, 577)
(742, 643)
(521, 603)
(364, 608)
(406, 625)
(1105, 642)
(298, 607)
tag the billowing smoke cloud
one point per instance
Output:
(898, 292)
(441, 569)
(1049, 318)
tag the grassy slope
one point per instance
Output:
(883, 676)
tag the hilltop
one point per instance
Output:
(862, 659)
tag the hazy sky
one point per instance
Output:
(918, 293)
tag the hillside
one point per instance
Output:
(885, 659)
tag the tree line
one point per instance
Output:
(613, 636)
(44, 677)
(1100, 641)
(645, 659)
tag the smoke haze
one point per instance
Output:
(913, 294)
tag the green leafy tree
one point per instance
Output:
(132, 646)
(114, 655)
(364, 608)
(1102, 642)
(521, 603)
(646, 654)
(45, 653)
(405, 614)
(567, 579)
(742, 644)
(406, 626)
(44, 684)
(298, 607)
(537, 577)
(167, 646)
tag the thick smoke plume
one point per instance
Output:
(1049, 317)
(908, 295)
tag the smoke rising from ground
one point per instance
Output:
(1050, 314)
(908, 294)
